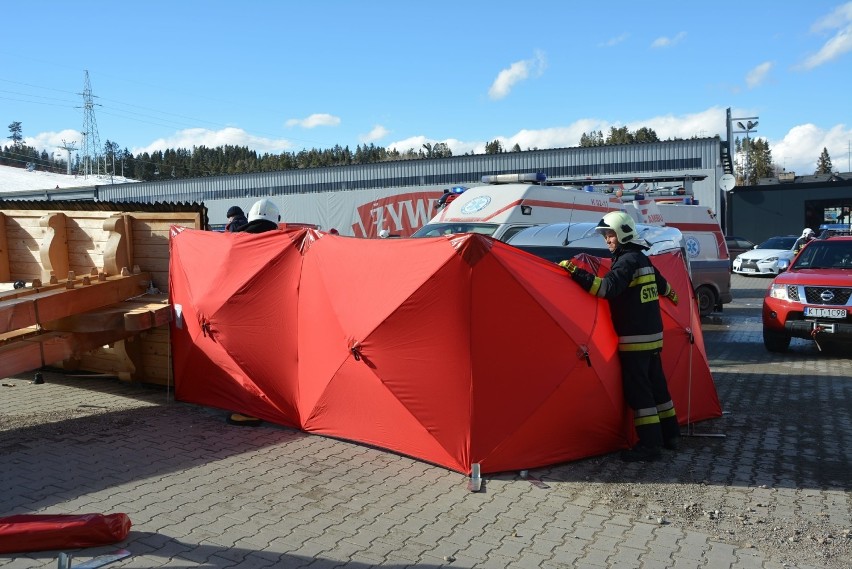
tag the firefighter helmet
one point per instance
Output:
(264, 209)
(619, 222)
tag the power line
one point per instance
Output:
(190, 122)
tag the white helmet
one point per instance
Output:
(621, 223)
(807, 232)
(384, 233)
(264, 209)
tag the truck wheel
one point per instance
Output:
(706, 298)
(775, 341)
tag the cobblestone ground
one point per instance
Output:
(765, 486)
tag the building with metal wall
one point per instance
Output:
(691, 157)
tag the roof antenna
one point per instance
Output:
(570, 216)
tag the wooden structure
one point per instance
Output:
(84, 286)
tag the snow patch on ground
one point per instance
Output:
(21, 180)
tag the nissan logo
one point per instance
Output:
(826, 296)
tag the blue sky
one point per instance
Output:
(282, 76)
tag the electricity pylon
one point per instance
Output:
(91, 139)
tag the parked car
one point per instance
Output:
(812, 298)
(555, 242)
(769, 258)
(737, 245)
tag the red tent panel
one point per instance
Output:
(454, 350)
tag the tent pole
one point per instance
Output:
(474, 484)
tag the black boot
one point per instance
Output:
(672, 443)
(641, 453)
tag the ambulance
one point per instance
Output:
(507, 204)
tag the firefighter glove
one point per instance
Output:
(672, 295)
(568, 266)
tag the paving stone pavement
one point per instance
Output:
(773, 491)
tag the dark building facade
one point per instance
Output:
(786, 205)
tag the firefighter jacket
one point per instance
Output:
(632, 287)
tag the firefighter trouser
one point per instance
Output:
(647, 394)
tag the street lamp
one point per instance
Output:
(749, 126)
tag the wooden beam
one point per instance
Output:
(58, 303)
(133, 315)
(35, 352)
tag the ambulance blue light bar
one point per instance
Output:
(533, 178)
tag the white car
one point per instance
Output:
(769, 258)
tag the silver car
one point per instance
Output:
(769, 258)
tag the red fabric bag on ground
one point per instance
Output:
(36, 532)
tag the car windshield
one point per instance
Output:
(828, 254)
(438, 229)
(778, 243)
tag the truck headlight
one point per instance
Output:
(778, 291)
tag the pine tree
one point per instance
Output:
(619, 136)
(16, 137)
(824, 163)
(760, 161)
(493, 147)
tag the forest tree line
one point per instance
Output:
(201, 161)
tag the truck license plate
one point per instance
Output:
(825, 312)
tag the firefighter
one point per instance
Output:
(808, 235)
(632, 287)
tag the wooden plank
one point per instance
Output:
(33, 353)
(42, 287)
(77, 233)
(32, 213)
(58, 303)
(4, 250)
(135, 315)
(14, 335)
(25, 271)
(17, 313)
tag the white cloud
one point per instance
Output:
(800, 148)
(706, 123)
(213, 138)
(835, 47)
(840, 17)
(757, 76)
(614, 41)
(840, 43)
(51, 142)
(317, 119)
(517, 72)
(667, 41)
(377, 133)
